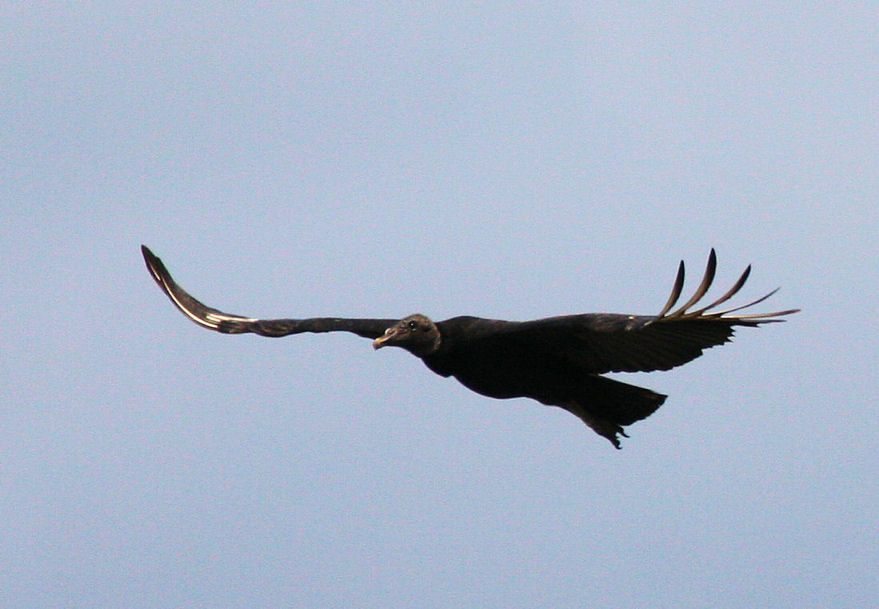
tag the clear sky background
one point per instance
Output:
(504, 160)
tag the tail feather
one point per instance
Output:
(607, 405)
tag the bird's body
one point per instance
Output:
(557, 361)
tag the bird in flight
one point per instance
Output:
(557, 361)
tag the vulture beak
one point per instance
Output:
(382, 340)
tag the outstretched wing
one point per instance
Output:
(602, 342)
(236, 324)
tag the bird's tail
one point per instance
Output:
(607, 405)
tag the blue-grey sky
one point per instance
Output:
(504, 160)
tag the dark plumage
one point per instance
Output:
(556, 361)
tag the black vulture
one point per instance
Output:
(556, 361)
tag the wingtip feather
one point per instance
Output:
(675, 291)
(707, 279)
(703, 313)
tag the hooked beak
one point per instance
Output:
(382, 340)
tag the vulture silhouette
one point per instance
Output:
(557, 361)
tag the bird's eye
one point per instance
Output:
(412, 325)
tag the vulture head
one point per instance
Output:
(416, 333)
